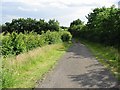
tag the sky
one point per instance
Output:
(65, 11)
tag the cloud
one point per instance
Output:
(8, 18)
(79, 13)
(75, 3)
(63, 10)
(26, 9)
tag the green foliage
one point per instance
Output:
(18, 43)
(66, 37)
(53, 25)
(103, 26)
(14, 43)
(103, 32)
(29, 24)
(75, 27)
(32, 40)
(7, 47)
(52, 37)
(7, 78)
(24, 70)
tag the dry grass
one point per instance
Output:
(24, 57)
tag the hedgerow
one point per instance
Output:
(14, 43)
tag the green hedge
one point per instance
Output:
(14, 43)
(66, 36)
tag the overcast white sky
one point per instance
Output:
(65, 11)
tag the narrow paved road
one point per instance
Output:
(78, 69)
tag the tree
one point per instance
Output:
(103, 26)
(75, 27)
(53, 25)
(29, 24)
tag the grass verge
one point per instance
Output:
(108, 56)
(24, 70)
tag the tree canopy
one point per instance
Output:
(103, 26)
(29, 24)
(75, 27)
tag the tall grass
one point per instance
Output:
(23, 71)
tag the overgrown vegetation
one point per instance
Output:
(103, 26)
(76, 27)
(28, 54)
(14, 43)
(23, 70)
(27, 51)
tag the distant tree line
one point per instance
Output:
(29, 24)
(103, 26)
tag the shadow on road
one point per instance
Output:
(95, 78)
(78, 50)
(99, 77)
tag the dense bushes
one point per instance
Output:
(107, 25)
(22, 35)
(52, 37)
(66, 37)
(103, 26)
(17, 43)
